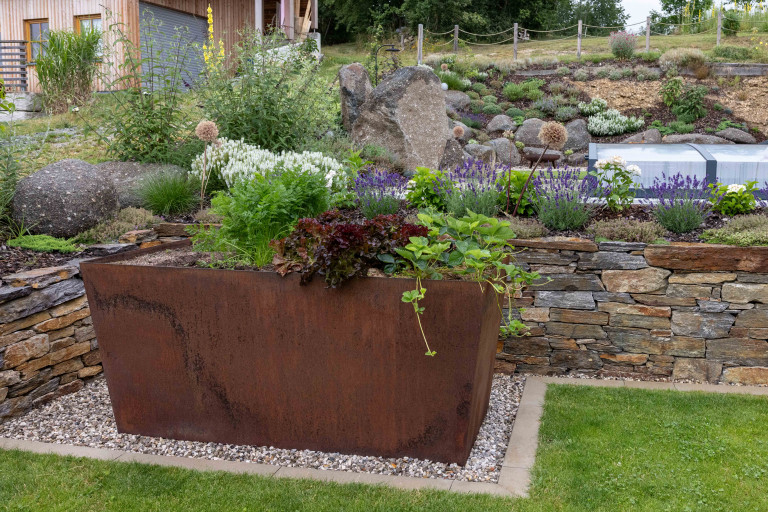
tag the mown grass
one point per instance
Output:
(601, 449)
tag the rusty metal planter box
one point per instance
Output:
(245, 357)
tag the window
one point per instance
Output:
(36, 33)
(89, 22)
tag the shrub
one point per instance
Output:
(680, 127)
(473, 95)
(127, 219)
(690, 105)
(169, 193)
(380, 192)
(604, 72)
(67, 68)
(563, 71)
(581, 75)
(261, 209)
(731, 23)
(718, 106)
(681, 57)
(490, 99)
(681, 202)
(42, 243)
(622, 44)
(612, 122)
(557, 87)
(476, 106)
(595, 106)
(478, 87)
(564, 114)
(454, 81)
(495, 84)
(651, 56)
(515, 181)
(561, 198)
(294, 100)
(533, 113)
(615, 75)
(530, 89)
(492, 110)
(671, 90)
(476, 188)
(643, 73)
(627, 230)
(534, 94)
(428, 189)
(733, 199)
(546, 105)
(527, 228)
(743, 231)
(616, 179)
(504, 105)
(515, 112)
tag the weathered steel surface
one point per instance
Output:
(252, 358)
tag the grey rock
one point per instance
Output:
(652, 136)
(693, 138)
(12, 292)
(528, 133)
(506, 152)
(485, 154)
(700, 370)
(738, 351)
(611, 261)
(14, 406)
(355, 88)
(621, 246)
(576, 159)
(533, 154)
(578, 136)
(744, 277)
(64, 198)
(453, 156)
(41, 300)
(569, 283)
(9, 378)
(576, 359)
(737, 136)
(566, 300)
(640, 342)
(406, 115)
(623, 298)
(501, 123)
(528, 346)
(107, 249)
(711, 306)
(702, 325)
(544, 258)
(576, 331)
(457, 100)
(25, 386)
(128, 177)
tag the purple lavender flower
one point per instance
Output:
(561, 197)
(476, 186)
(681, 202)
(379, 192)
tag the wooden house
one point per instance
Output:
(24, 23)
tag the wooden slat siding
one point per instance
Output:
(61, 16)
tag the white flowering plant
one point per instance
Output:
(734, 199)
(612, 122)
(617, 180)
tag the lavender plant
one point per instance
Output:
(380, 192)
(561, 198)
(682, 202)
(476, 188)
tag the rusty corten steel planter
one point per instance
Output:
(253, 358)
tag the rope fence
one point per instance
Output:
(522, 35)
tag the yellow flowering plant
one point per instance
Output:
(213, 52)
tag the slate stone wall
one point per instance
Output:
(682, 311)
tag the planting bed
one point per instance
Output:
(85, 419)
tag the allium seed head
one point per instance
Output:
(444, 66)
(553, 135)
(458, 131)
(207, 131)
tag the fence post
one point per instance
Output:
(578, 42)
(647, 34)
(455, 39)
(420, 45)
(719, 25)
(514, 45)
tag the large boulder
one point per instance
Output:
(457, 100)
(578, 136)
(128, 178)
(64, 199)
(501, 123)
(737, 136)
(693, 138)
(355, 86)
(406, 115)
(486, 154)
(528, 133)
(506, 152)
(453, 156)
(652, 136)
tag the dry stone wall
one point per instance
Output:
(682, 311)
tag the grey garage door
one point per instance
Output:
(194, 30)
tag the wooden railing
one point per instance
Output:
(13, 65)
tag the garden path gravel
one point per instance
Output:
(85, 419)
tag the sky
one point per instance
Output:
(639, 9)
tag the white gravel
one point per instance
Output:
(85, 419)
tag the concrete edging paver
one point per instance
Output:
(514, 478)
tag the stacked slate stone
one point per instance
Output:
(687, 312)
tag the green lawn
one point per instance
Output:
(601, 449)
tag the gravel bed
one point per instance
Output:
(85, 419)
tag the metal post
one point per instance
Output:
(515, 42)
(578, 42)
(719, 25)
(455, 39)
(420, 45)
(647, 34)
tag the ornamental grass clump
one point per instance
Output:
(622, 44)
(681, 202)
(561, 198)
(380, 192)
(476, 187)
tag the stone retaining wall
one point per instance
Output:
(47, 344)
(681, 311)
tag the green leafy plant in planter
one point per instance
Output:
(733, 199)
(475, 246)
